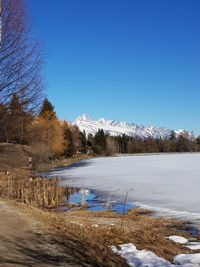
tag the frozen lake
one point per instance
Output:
(168, 183)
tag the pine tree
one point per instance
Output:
(83, 142)
(99, 146)
(122, 143)
(172, 136)
(15, 119)
(47, 111)
(69, 147)
(3, 123)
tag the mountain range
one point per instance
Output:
(114, 128)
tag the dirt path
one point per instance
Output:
(24, 243)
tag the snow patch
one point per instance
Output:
(188, 260)
(144, 258)
(178, 239)
(140, 258)
(194, 245)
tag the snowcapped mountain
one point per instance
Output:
(114, 128)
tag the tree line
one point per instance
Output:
(51, 138)
(122, 144)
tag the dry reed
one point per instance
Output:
(37, 191)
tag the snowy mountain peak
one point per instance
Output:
(114, 128)
(103, 121)
(83, 117)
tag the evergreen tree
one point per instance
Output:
(15, 119)
(3, 123)
(123, 143)
(172, 136)
(69, 150)
(99, 145)
(47, 111)
(83, 142)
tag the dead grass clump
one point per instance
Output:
(37, 191)
(139, 212)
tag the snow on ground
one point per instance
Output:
(192, 260)
(140, 258)
(184, 241)
(178, 239)
(194, 245)
(144, 258)
(167, 183)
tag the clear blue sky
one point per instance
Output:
(130, 60)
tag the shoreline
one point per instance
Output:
(110, 229)
(101, 200)
(67, 162)
(156, 211)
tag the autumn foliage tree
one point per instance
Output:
(46, 134)
(47, 111)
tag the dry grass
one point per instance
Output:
(17, 183)
(94, 233)
(16, 156)
(37, 191)
(12, 156)
(61, 162)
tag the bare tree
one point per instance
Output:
(111, 146)
(20, 56)
(76, 138)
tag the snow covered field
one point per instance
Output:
(168, 183)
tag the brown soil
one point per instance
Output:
(24, 241)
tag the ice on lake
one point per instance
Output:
(167, 183)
